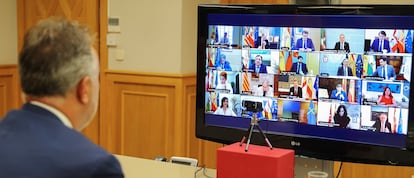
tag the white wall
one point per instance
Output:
(156, 35)
(8, 32)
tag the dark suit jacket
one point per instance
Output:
(342, 73)
(338, 46)
(375, 45)
(377, 126)
(292, 92)
(262, 68)
(294, 68)
(35, 143)
(309, 44)
(380, 72)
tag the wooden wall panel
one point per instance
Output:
(9, 89)
(29, 12)
(149, 115)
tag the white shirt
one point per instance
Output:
(228, 112)
(226, 86)
(56, 112)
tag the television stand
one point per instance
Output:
(254, 122)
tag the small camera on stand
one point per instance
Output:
(252, 106)
(255, 107)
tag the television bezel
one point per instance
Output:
(326, 149)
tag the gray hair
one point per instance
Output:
(56, 55)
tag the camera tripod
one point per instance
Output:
(254, 122)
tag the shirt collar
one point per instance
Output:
(65, 120)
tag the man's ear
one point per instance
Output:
(83, 90)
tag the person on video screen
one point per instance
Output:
(295, 90)
(341, 117)
(223, 64)
(381, 44)
(342, 44)
(384, 70)
(386, 98)
(262, 42)
(258, 67)
(339, 93)
(223, 84)
(382, 124)
(344, 69)
(224, 108)
(265, 89)
(299, 67)
(304, 43)
(225, 39)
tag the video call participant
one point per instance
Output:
(223, 84)
(265, 90)
(212, 39)
(295, 90)
(381, 43)
(258, 67)
(262, 42)
(299, 67)
(341, 117)
(223, 64)
(382, 124)
(224, 108)
(225, 39)
(384, 70)
(342, 44)
(344, 69)
(386, 98)
(339, 94)
(304, 43)
(59, 76)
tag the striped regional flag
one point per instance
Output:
(246, 82)
(351, 91)
(306, 87)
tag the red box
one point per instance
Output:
(257, 162)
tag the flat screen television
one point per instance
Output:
(333, 82)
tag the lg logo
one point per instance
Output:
(293, 143)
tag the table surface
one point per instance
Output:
(138, 167)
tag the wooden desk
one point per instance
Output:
(138, 167)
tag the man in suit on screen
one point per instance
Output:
(339, 93)
(258, 67)
(304, 43)
(384, 70)
(299, 67)
(295, 90)
(344, 69)
(59, 76)
(342, 45)
(381, 44)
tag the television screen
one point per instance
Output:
(334, 82)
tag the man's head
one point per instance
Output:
(341, 37)
(382, 62)
(300, 58)
(295, 83)
(258, 60)
(382, 35)
(222, 59)
(265, 85)
(305, 34)
(345, 62)
(339, 87)
(59, 67)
